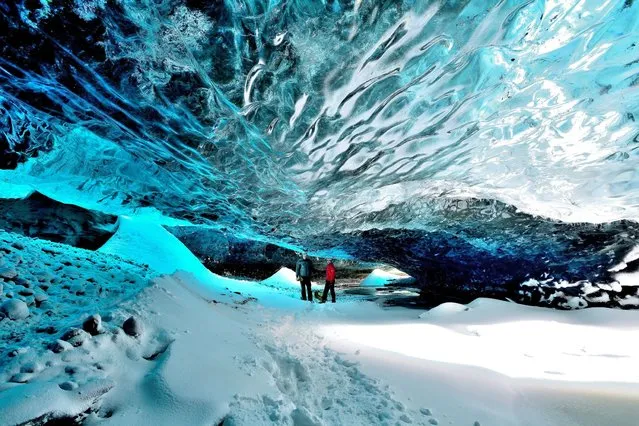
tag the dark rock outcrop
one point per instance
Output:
(133, 327)
(39, 216)
(93, 325)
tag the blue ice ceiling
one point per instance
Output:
(283, 111)
(293, 118)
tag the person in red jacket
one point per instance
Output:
(330, 282)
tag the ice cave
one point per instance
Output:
(319, 212)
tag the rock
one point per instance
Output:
(1, 288)
(133, 327)
(15, 309)
(21, 281)
(20, 378)
(25, 292)
(44, 277)
(425, 411)
(76, 337)
(14, 353)
(476, 423)
(93, 325)
(30, 301)
(40, 297)
(68, 385)
(8, 272)
(18, 245)
(433, 422)
(48, 329)
(60, 346)
(31, 367)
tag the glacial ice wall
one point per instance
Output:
(307, 114)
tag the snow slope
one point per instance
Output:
(148, 242)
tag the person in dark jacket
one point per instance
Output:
(303, 271)
(330, 282)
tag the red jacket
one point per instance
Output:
(330, 272)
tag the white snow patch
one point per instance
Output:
(629, 301)
(576, 303)
(26, 402)
(15, 309)
(380, 278)
(444, 310)
(630, 279)
(613, 286)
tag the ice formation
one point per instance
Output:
(492, 141)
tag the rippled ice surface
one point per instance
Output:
(316, 115)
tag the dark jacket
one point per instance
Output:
(303, 268)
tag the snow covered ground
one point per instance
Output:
(208, 350)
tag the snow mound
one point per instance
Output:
(444, 310)
(284, 278)
(380, 278)
(15, 309)
(46, 402)
(149, 243)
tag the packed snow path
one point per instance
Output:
(316, 384)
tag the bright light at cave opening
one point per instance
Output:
(537, 349)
